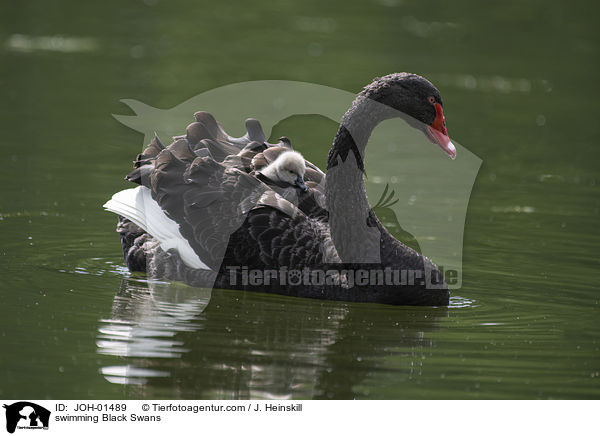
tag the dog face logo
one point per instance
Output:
(26, 415)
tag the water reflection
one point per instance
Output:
(145, 320)
(235, 345)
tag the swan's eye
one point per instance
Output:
(431, 100)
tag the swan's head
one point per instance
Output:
(289, 167)
(415, 96)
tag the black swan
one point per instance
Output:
(218, 211)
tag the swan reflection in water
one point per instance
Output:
(189, 342)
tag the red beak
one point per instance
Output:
(438, 134)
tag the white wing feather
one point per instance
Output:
(137, 205)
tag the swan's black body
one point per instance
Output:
(236, 222)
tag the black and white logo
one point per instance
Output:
(26, 415)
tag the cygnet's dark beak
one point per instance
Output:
(300, 183)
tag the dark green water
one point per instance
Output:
(519, 81)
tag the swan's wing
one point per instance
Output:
(266, 157)
(243, 160)
(270, 239)
(311, 203)
(201, 183)
(315, 175)
(250, 152)
(207, 199)
(206, 133)
(211, 201)
(254, 132)
(209, 128)
(233, 217)
(138, 206)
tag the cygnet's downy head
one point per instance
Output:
(289, 167)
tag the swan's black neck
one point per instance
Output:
(358, 235)
(355, 129)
